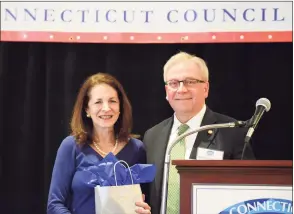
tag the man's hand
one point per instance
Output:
(144, 208)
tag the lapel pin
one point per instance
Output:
(210, 132)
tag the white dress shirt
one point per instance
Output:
(193, 123)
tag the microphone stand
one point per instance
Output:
(171, 145)
(246, 144)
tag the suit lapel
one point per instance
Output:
(159, 152)
(204, 136)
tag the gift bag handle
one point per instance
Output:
(125, 167)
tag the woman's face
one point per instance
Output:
(103, 106)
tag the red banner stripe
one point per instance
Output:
(208, 37)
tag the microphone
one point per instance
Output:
(262, 105)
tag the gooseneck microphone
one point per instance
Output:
(262, 105)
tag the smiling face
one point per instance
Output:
(186, 101)
(103, 106)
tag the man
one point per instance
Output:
(187, 87)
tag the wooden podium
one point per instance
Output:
(240, 172)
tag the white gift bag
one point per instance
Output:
(117, 199)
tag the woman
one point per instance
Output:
(101, 123)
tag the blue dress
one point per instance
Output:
(69, 192)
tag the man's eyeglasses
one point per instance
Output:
(188, 83)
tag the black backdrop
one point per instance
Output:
(39, 83)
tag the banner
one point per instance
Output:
(146, 22)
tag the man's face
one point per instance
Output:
(186, 99)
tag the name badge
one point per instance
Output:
(209, 154)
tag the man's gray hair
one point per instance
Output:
(183, 56)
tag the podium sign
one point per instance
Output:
(241, 199)
(235, 186)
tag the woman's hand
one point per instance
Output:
(144, 208)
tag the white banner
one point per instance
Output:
(245, 199)
(149, 18)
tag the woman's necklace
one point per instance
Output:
(100, 150)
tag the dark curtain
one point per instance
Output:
(40, 81)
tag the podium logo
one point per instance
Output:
(261, 206)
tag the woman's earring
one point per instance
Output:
(88, 115)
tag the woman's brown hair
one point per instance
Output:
(82, 126)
